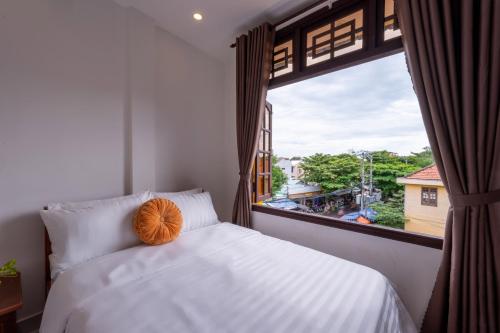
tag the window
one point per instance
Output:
(262, 175)
(351, 32)
(357, 152)
(350, 147)
(429, 196)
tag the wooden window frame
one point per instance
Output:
(374, 46)
(373, 230)
(256, 170)
(428, 201)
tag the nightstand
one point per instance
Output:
(10, 301)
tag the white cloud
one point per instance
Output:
(370, 106)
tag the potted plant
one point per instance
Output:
(8, 269)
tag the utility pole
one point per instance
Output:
(362, 201)
(371, 173)
(365, 155)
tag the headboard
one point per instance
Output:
(48, 252)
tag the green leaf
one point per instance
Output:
(9, 268)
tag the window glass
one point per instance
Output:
(348, 35)
(267, 146)
(267, 121)
(260, 187)
(283, 59)
(267, 158)
(391, 25)
(319, 45)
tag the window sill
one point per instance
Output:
(373, 230)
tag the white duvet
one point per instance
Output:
(223, 278)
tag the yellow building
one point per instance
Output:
(426, 201)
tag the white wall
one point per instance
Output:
(190, 99)
(83, 115)
(62, 121)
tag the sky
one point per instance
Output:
(366, 107)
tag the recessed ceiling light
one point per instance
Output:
(197, 16)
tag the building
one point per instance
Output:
(297, 171)
(300, 191)
(291, 168)
(286, 166)
(426, 201)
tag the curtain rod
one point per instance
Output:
(299, 15)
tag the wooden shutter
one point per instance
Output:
(262, 169)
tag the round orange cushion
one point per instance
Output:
(158, 221)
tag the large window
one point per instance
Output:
(349, 146)
(353, 147)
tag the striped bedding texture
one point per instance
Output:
(223, 278)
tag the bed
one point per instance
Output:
(222, 278)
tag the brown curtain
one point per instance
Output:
(453, 54)
(253, 67)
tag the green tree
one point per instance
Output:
(386, 168)
(279, 178)
(332, 172)
(421, 159)
(335, 172)
(391, 212)
(389, 215)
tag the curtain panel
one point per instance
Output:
(453, 54)
(253, 68)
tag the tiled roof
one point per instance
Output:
(428, 173)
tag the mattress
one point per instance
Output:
(223, 278)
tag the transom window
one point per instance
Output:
(341, 36)
(352, 31)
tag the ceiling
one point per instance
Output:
(222, 19)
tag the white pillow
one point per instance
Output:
(143, 196)
(80, 234)
(197, 210)
(168, 195)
